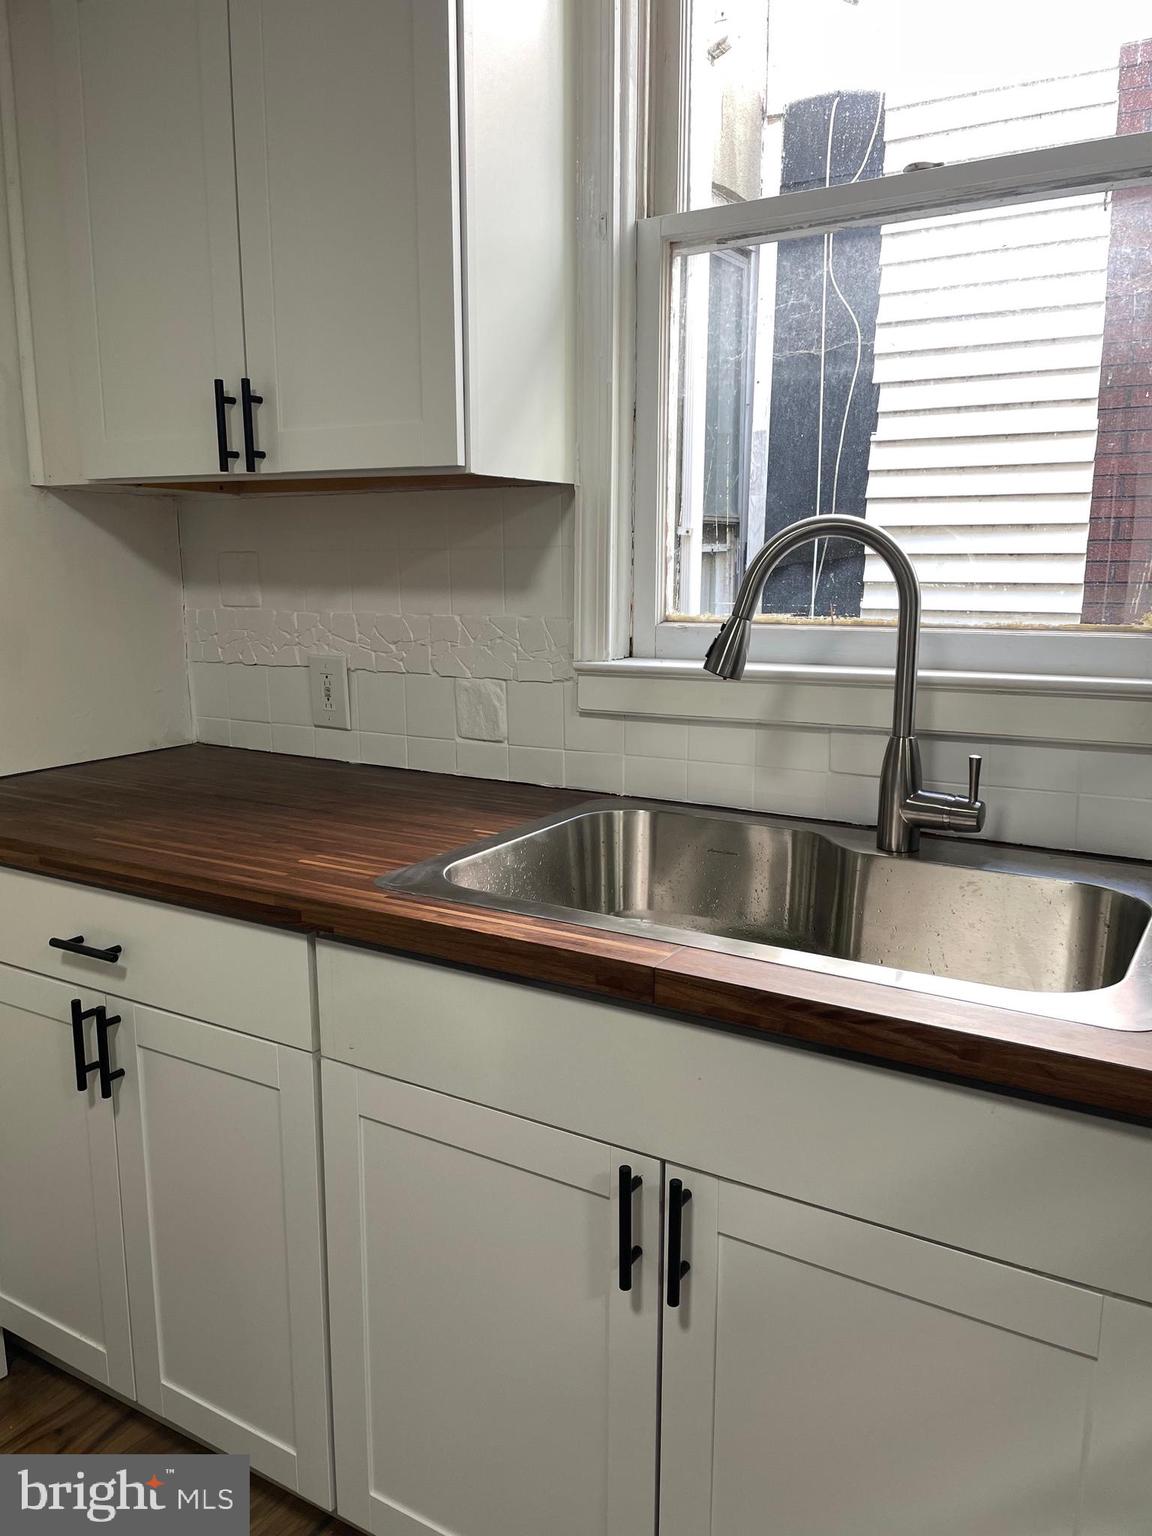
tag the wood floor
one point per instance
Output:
(46, 1410)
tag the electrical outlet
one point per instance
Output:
(328, 686)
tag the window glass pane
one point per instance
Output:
(980, 384)
(791, 94)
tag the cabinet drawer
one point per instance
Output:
(1046, 1189)
(236, 974)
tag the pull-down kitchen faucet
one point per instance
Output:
(905, 807)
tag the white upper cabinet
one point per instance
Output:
(145, 140)
(358, 215)
(346, 158)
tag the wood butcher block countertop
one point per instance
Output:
(299, 843)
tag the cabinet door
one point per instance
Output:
(1118, 1484)
(490, 1376)
(222, 1225)
(62, 1282)
(145, 110)
(347, 173)
(822, 1375)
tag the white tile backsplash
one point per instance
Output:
(431, 754)
(535, 715)
(252, 734)
(722, 784)
(599, 771)
(1007, 764)
(383, 750)
(328, 585)
(534, 580)
(248, 693)
(856, 752)
(215, 733)
(297, 740)
(1115, 826)
(590, 733)
(656, 778)
(455, 613)
(655, 738)
(536, 765)
(477, 577)
(791, 791)
(722, 744)
(209, 690)
(424, 580)
(379, 702)
(789, 747)
(1114, 773)
(482, 759)
(289, 696)
(851, 797)
(430, 706)
(375, 581)
(338, 746)
(239, 578)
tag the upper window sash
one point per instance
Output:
(1096, 165)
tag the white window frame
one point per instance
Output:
(625, 265)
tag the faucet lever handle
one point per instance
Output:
(975, 763)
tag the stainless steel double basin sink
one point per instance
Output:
(1049, 934)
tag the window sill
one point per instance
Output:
(1101, 710)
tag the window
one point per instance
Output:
(897, 274)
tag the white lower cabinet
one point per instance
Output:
(819, 1375)
(490, 1376)
(824, 1376)
(62, 1281)
(160, 1218)
(219, 1169)
(538, 1330)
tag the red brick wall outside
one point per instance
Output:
(1118, 573)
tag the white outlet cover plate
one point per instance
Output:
(328, 689)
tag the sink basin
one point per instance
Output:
(1041, 933)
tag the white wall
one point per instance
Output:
(455, 613)
(91, 651)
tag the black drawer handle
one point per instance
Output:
(103, 1058)
(629, 1251)
(247, 401)
(79, 1053)
(678, 1265)
(77, 946)
(225, 455)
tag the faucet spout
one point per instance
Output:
(905, 806)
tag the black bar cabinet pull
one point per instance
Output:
(678, 1265)
(79, 1054)
(103, 1059)
(77, 946)
(247, 401)
(629, 1251)
(225, 453)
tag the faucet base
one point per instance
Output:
(900, 780)
(906, 807)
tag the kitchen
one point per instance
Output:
(540, 988)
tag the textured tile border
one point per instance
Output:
(524, 649)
